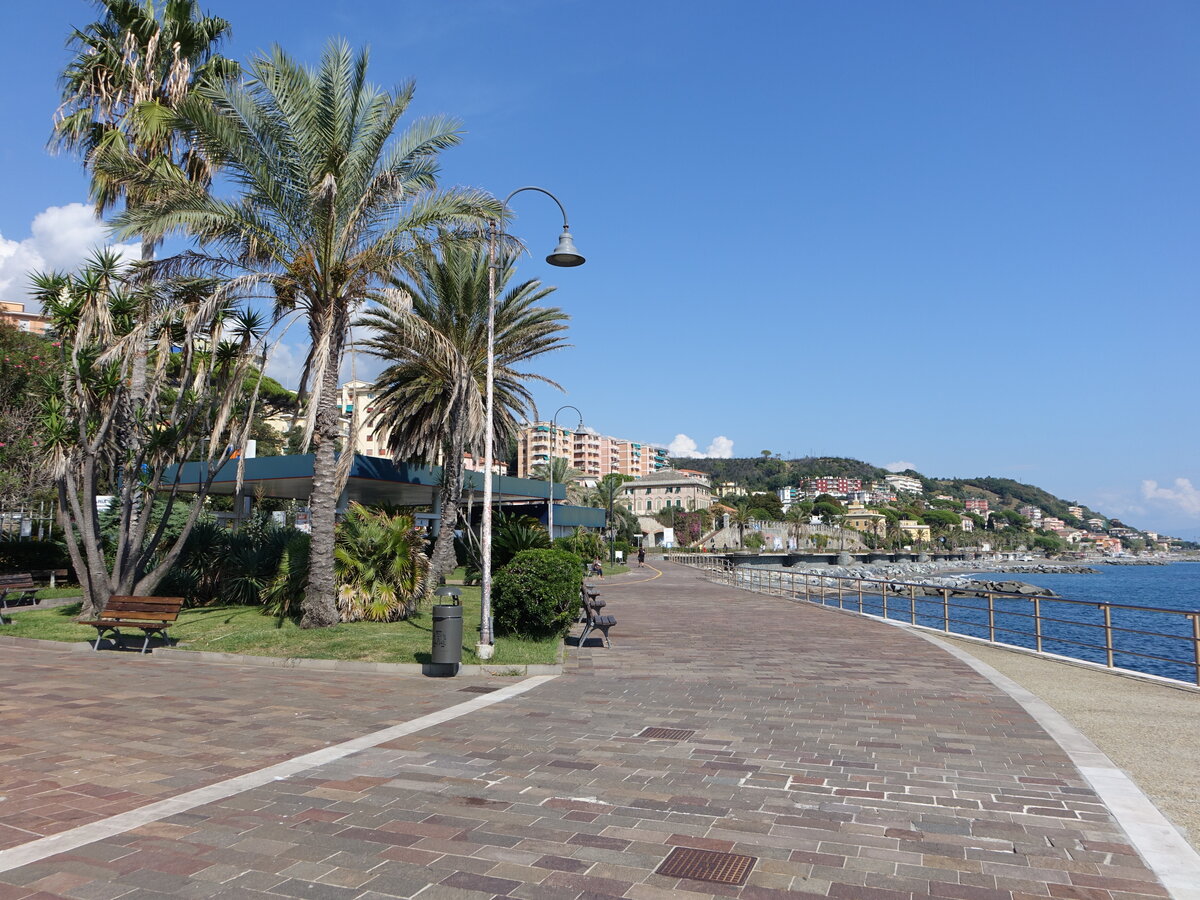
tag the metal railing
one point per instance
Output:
(1041, 622)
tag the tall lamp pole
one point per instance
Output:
(566, 256)
(550, 473)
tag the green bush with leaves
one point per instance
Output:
(583, 543)
(537, 593)
(380, 563)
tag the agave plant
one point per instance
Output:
(380, 563)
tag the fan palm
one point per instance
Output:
(434, 332)
(332, 201)
(563, 473)
(132, 70)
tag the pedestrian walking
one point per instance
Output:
(641, 557)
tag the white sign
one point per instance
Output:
(668, 537)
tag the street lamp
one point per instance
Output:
(566, 256)
(550, 473)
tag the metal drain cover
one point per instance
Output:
(707, 865)
(477, 689)
(666, 734)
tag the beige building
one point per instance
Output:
(25, 321)
(594, 455)
(665, 490)
(865, 520)
(914, 530)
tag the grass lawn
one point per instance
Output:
(243, 629)
(54, 593)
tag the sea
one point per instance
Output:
(1144, 641)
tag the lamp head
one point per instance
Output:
(565, 255)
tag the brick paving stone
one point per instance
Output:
(853, 760)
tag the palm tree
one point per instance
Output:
(132, 71)
(332, 202)
(742, 515)
(431, 396)
(563, 473)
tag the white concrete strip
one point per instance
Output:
(41, 848)
(1160, 844)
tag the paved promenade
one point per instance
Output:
(815, 754)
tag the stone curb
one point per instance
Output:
(348, 665)
(293, 662)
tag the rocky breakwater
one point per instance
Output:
(922, 579)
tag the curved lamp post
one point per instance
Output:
(566, 256)
(550, 468)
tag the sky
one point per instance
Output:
(960, 237)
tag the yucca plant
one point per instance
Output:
(380, 563)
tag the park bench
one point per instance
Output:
(153, 615)
(16, 590)
(594, 619)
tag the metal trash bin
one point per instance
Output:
(447, 633)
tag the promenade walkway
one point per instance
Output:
(846, 757)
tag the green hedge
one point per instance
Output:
(537, 593)
(25, 556)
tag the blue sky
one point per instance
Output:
(957, 235)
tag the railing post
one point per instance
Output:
(1108, 634)
(1196, 643)
(946, 610)
(806, 596)
(860, 595)
(841, 595)
(1037, 622)
(991, 617)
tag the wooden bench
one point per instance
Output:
(153, 615)
(593, 618)
(16, 590)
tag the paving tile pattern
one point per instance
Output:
(86, 735)
(852, 760)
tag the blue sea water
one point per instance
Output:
(1157, 643)
(1175, 586)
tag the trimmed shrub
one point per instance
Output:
(537, 593)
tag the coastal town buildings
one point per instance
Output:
(1076, 511)
(1053, 523)
(905, 484)
(667, 489)
(1095, 524)
(15, 314)
(593, 454)
(976, 505)
(968, 524)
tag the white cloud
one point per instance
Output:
(900, 466)
(720, 448)
(61, 237)
(683, 447)
(1184, 496)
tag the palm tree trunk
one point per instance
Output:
(319, 606)
(443, 559)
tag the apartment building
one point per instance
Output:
(834, 485)
(14, 313)
(905, 484)
(977, 506)
(593, 454)
(666, 489)
(356, 404)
